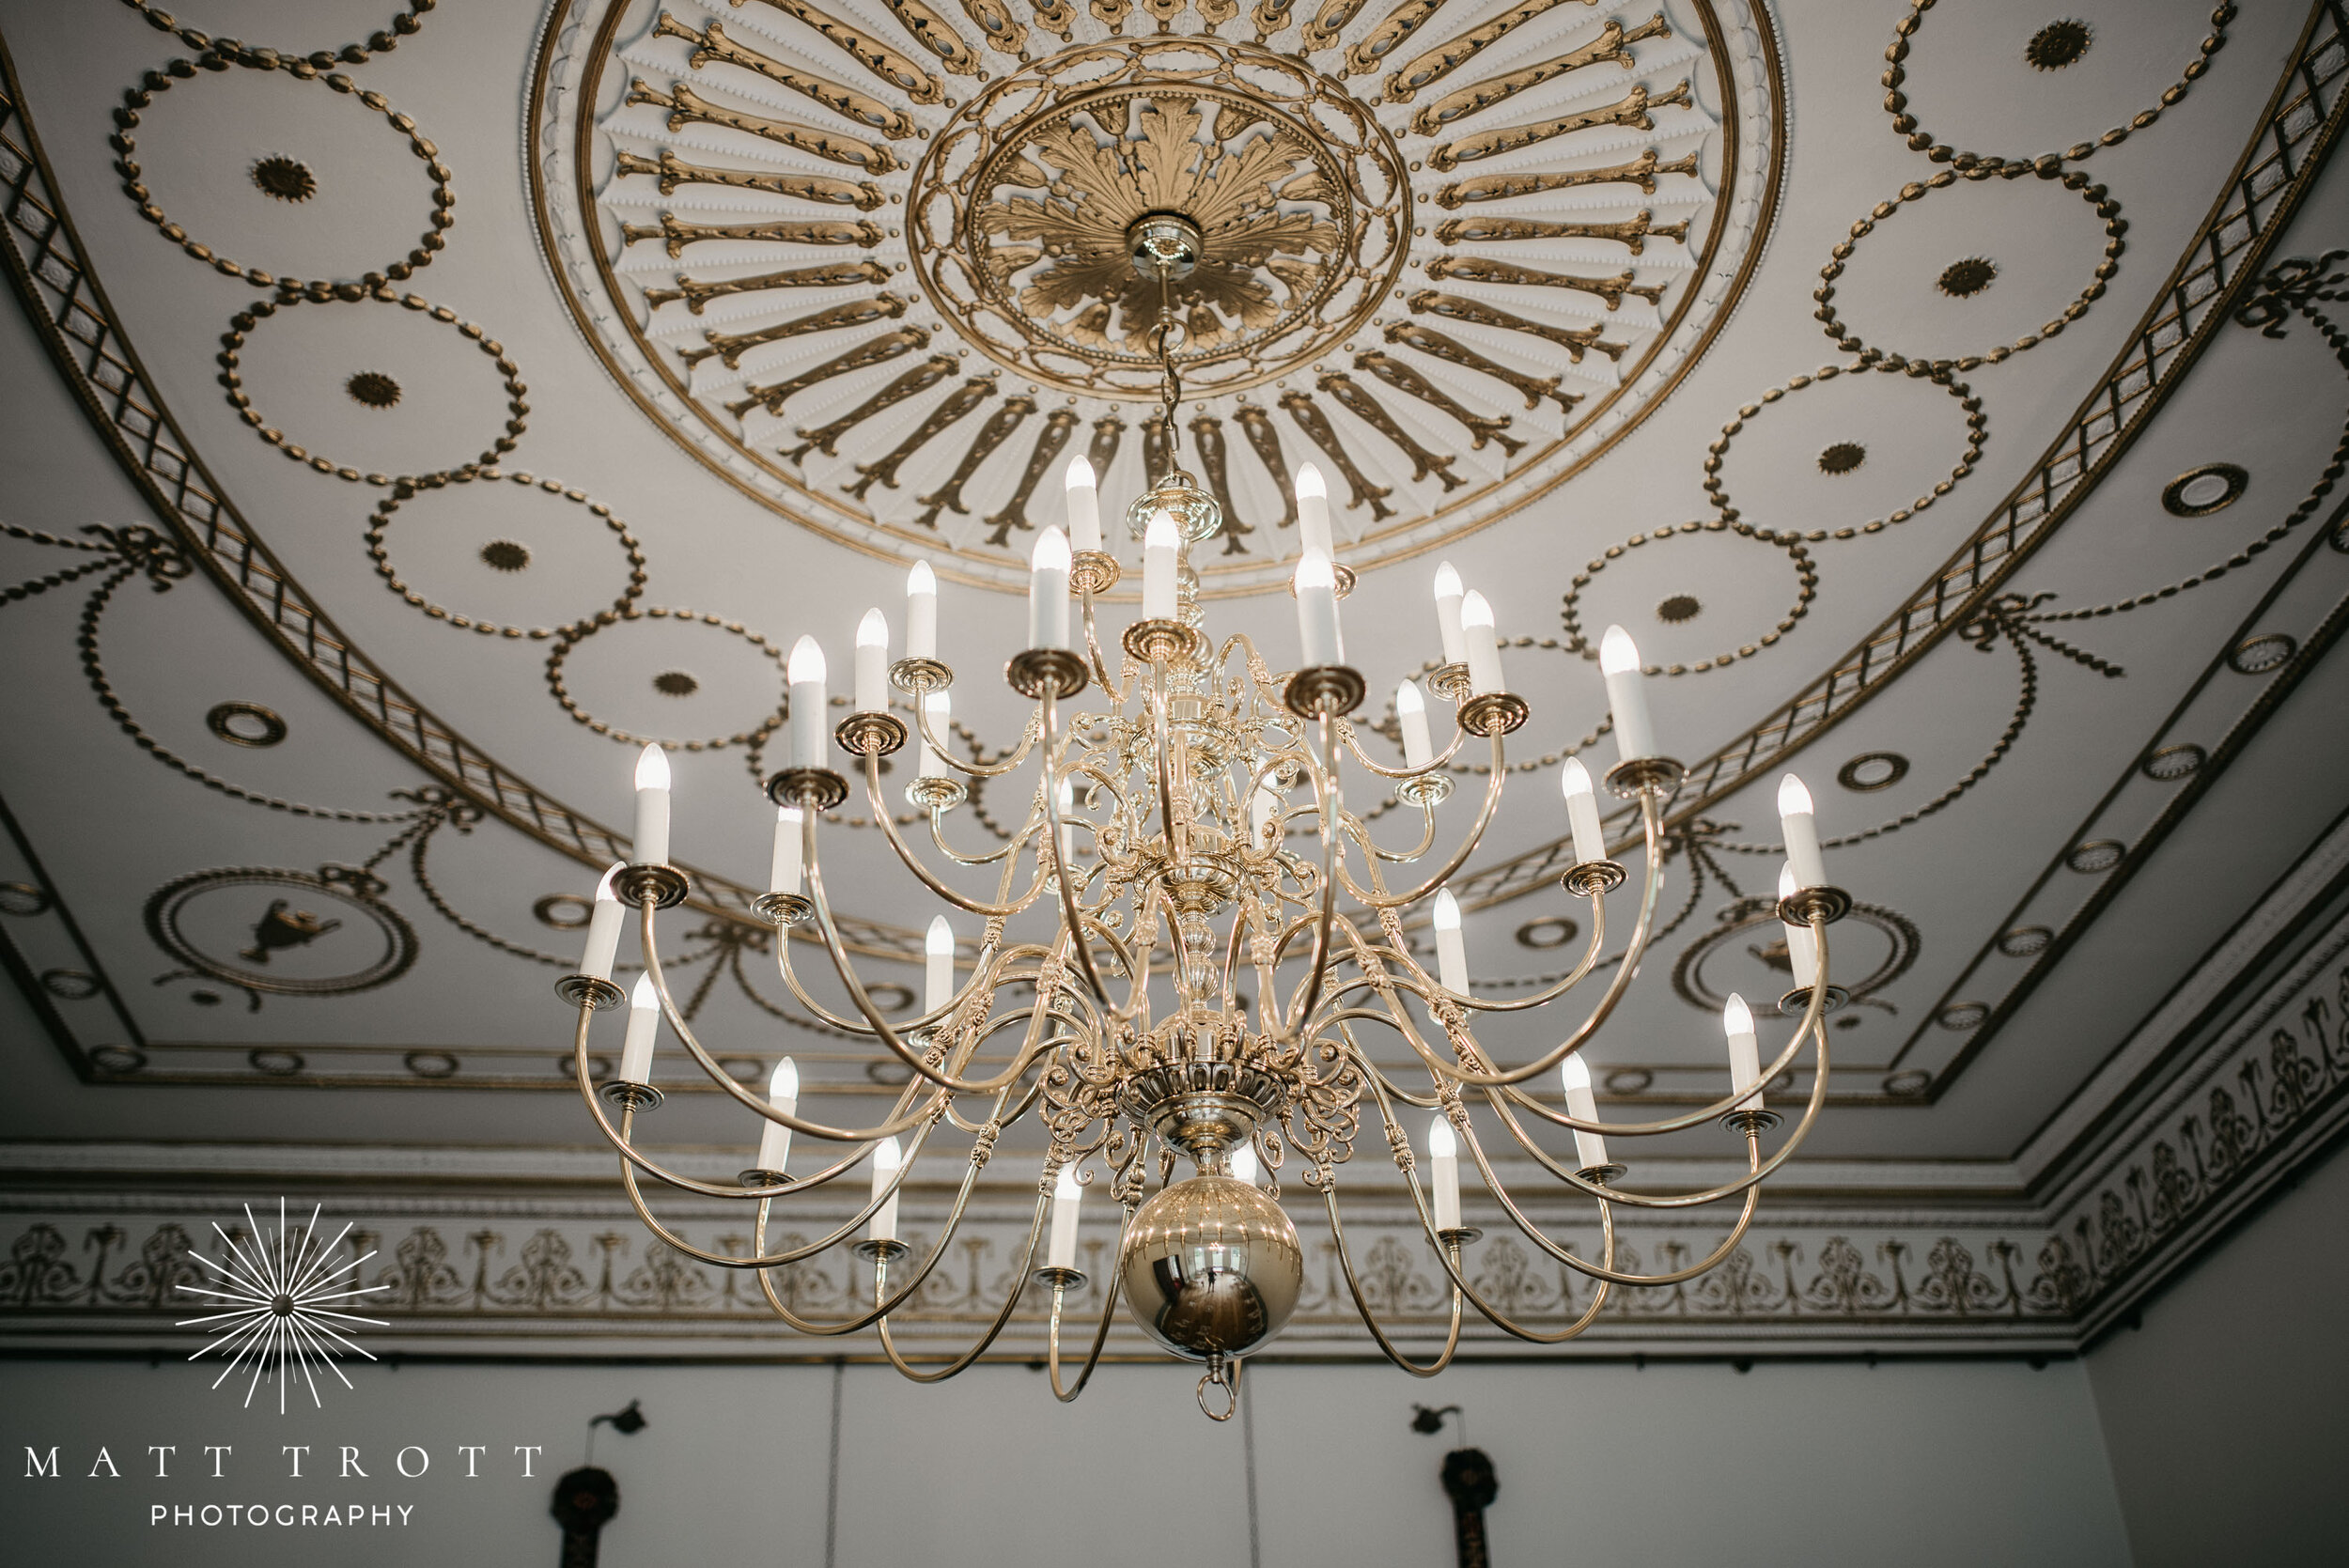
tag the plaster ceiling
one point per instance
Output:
(1886, 479)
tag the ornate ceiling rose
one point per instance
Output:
(875, 268)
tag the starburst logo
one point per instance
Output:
(280, 1320)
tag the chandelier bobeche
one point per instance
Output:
(1159, 841)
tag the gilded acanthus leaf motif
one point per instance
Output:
(687, 107)
(1454, 53)
(1633, 232)
(913, 382)
(1317, 423)
(1612, 44)
(1401, 377)
(876, 351)
(969, 396)
(1642, 171)
(729, 348)
(1436, 345)
(832, 274)
(678, 234)
(1575, 341)
(1633, 110)
(997, 430)
(714, 47)
(673, 171)
(1478, 268)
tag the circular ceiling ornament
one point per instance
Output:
(1024, 214)
(1843, 456)
(503, 556)
(2200, 491)
(369, 389)
(1805, 589)
(1963, 279)
(2095, 856)
(2172, 763)
(2057, 44)
(1976, 428)
(890, 321)
(572, 637)
(2025, 941)
(303, 933)
(1873, 770)
(2261, 652)
(243, 723)
(285, 179)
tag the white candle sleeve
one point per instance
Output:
(886, 1158)
(603, 930)
(1067, 1193)
(1313, 512)
(1443, 1174)
(938, 969)
(937, 709)
(644, 1026)
(1048, 591)
(1410, 714)
(1317, 611)
(1590, 837)
(921, 611)
(1451, 945)
(1801, 829)
(1448, 615)
(872, 663)
(1802, 946)
(1161, 548)
(1745, 1052)
(811, 747)
(782, 1094)
(1590, 1148)
(651, 846)
(784, 868)
(1626, 699)
(1084, 506)
(1483, 642)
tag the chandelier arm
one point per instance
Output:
(1811, 1026)
(881, 1309)
(813, 873)
(825, 1015)
(1338, 1020)
(1355, 746)
(1360, 830)
(1003, 851)
(1072, 922)
(1035, 1090)
(1459, 858)
(1573, 977)
(913, 863)
(1362, 1308)
(1002, 1316)
(1114, 690)
(1745, 1218)
(1100, 1331)
(725, 1081)
(1449, 1255)
(630, 1157)
(1009, 760)
(1330, 794)
(1162, 749)
(727, 1259)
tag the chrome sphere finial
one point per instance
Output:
(1164, 245)
(1212, 1267)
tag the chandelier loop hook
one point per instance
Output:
(1223, 1375)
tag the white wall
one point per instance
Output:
(2226, 1413)
(1921, 1464)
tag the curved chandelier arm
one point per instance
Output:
(1534, 1233)
(853, 1026)
(1100, 1331)
(813, 874)
(881, 1308)
(728, 1260)
(1371, 849)
(1460, 857)
(726, 1081)
(1002, 1316)
(1162, 746)
(1114, 690)
(1362, 1308)
(1331, 797)
(1073, 925)
(1003, 851)
(912, 861)
(1355, 746)
(1427, 987)
(975, 769)
(1811, 1027)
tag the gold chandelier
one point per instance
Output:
(1188, 830)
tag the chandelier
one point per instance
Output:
(1188, 834)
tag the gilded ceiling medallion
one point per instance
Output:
(1963, 280)
(892, 304)
(2057, 44)
(284, 178)
(1024, 214)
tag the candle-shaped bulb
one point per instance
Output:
(1590, 1148)
(1802, 944)
(938, 951)
(921, 611)
(1801, 830)
(872, 663)
(1451, 946)
(1161, 545)
(785, 868)
(1626, 700)
(1318, 629)
(1067, 1193)
(1483, 643)
(938, 713)
(1745, 1057)
(774, 1139)
(644, 1026)
(1410, 714)
(603, 928)
(1448, 615)
(887, 1156)
(652, 807)
(1244, 1164)
(1048, 591)
(1443, 1159)
(1085, 506)
(1313, 511)
(1067, 797)
(810, 745)
(1590, 838)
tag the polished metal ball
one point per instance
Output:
(1211, 1267)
